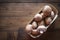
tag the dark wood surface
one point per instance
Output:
(31, 1)
(15, 16)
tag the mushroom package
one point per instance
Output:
(41, 21)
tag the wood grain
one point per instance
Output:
(31, 1)
(15, 16)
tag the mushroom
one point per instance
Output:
(52, 14)
(38, 17)
(46, 10)
(42, 29)
(48, 20)
(41, 23)
(28, 28)
(34, 25)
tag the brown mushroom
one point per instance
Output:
(38, 17)
(48, 20)
(28, 28)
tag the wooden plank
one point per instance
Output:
(3, 35)
(30, 1)
(21, 9)
(57, 23)
(15, 35)
(13, 23)
(10, 35)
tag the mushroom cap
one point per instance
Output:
(48, 20)
(28, 28)
(34, 25)
(38, 17)
(42, 28)
(47, 8)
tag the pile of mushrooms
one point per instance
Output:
(40, 21)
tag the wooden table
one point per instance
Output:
(15, 16)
